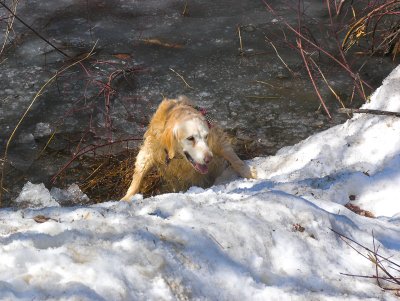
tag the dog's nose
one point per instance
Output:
(208, 158)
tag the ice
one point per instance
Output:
(42, 130)
(35, 196)
(26, 138)
(22, 155)
(73, 195)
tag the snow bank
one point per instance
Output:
(360, 158)
(266, 239)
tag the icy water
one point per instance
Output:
(146, 50)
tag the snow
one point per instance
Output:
(35, 196)
(264, 239)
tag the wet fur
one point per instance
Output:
(161, 150)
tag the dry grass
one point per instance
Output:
(378, 26)
(107, 177)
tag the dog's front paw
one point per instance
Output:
(253, 171)
(132, 198)
(127, 198)
(248, 172)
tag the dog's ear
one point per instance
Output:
(185, 100)
(168, 140)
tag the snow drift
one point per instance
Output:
(265, 239)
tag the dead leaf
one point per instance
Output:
(356, 209)
(41, 219)
(298, 228)
(122, 56)
(158, 42)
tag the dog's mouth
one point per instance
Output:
(201, 168)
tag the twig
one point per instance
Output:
(371, 277)
(47, 143)
(327, 83)
(365, 248)
(241, 51)
(93, 172)
(374, 257)
(357, 81)
(181, 77)
(9, 27)
(262, 97)
(5, 99)
(368, 111)
(339, 7)
(378, 266)
(375, 260)
(215, 240)
(281, 59)
(33, 30)
(311, 78)
(264, 83)
(88, 149)
(300, 35)
(185, 10)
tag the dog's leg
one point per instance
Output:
(238, 165)
(144, 162)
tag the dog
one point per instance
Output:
(185, 148)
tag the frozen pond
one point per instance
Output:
(150, 49)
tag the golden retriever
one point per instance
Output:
(185, 148)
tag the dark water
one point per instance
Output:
(152, 49)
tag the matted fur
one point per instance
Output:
(162, 150)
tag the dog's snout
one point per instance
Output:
(208, 158)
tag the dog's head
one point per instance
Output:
(188, 135)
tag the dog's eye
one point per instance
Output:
(191, 138)
(205, 137)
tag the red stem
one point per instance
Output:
(318, 47)
(312, 79)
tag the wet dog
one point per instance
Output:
(186, 149)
